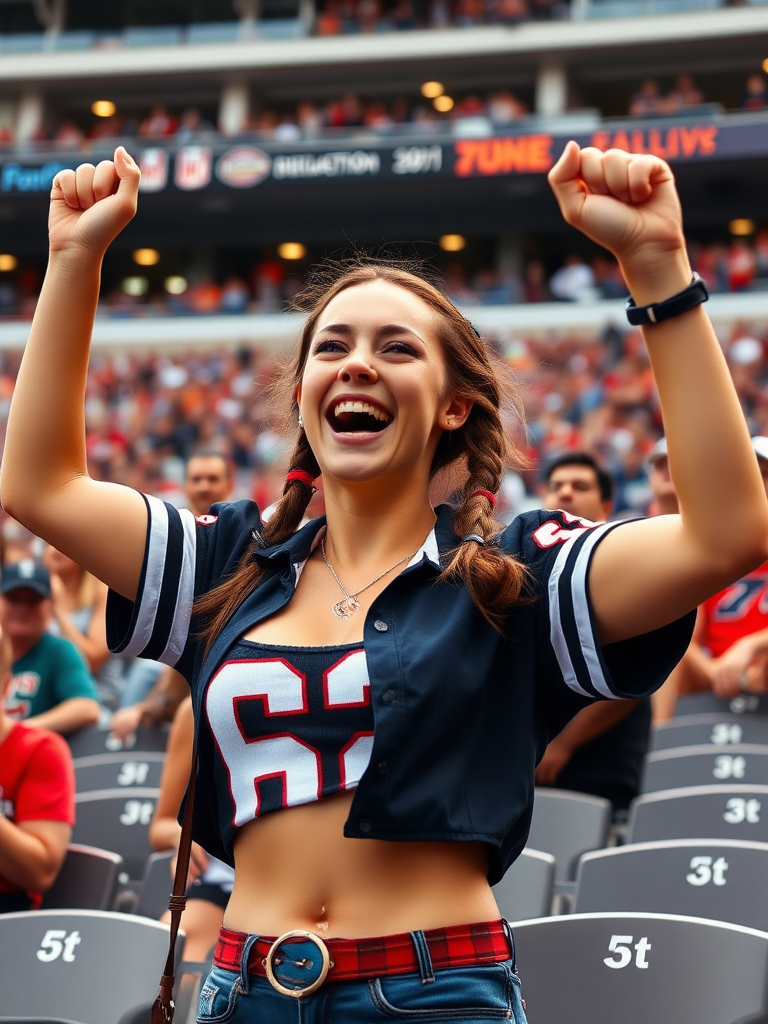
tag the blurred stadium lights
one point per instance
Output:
(742, 226)
(8, 262)
(292, 251)
(431, 90)
(103, 108)
(146, 257)
(175, 284)
(135, 286)
(452, 243)
(443, 103)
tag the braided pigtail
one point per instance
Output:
(494, 579)
(217, 606)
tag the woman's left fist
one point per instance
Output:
(625, 202)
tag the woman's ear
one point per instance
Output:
(454, 412)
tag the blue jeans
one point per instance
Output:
(462, 995)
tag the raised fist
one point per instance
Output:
(91, 205)
(624, 202)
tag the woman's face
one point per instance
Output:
(373, 396)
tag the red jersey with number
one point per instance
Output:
(737, 611)
(37, 781)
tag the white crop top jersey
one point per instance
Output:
(290, 725)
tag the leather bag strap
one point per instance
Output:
(163, 1007)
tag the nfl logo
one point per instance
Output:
(193, 168)
(154, 170)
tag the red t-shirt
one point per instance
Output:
(737, 611)
(37, 781)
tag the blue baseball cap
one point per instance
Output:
(27, 573)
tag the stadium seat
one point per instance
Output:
(154, 35)
(213, 32)
(526, 889)
(88, 742)
(641, 969)
(156, 885)
(708, 703)
(117, 819)
(87, 880)
(714, 812)
(107, 771)
(87, 966)
(566, 825)
(719, 879)
(718, 730)
(702, 765)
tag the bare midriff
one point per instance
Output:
(295, 869)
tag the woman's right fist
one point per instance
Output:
(91, 205)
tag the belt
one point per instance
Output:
(298, 962)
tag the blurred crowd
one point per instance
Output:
(339, 17)
(309, 119)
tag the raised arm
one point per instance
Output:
(647, 573)
(44, 481)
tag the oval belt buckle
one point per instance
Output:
(297, 971)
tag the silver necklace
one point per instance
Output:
(349, 605)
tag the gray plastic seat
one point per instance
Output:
(87, 880)
(118, 820)
(708, 704)
(627, 968)
(526, 889)
(87, 966)
(713, 812)
(108, 771)
(719, 730)
(156, 885)
(88, 742)
(702, 765)
(714, 878)
(566, 825)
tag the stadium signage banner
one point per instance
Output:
(242, 166)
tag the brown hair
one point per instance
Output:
(479, 447)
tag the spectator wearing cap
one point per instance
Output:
(51, 686)
(601, 750)
(37, 804)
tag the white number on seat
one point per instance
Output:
(738, 810)
(56, 943)
(703, 871)
(728, 767)
(620, 946)
(137, 812)
(726, 732)
(132, 773)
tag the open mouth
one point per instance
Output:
(357, 417)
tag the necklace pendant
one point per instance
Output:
(347, 607)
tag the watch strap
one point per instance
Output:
(657, 312)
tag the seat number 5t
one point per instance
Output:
(621, 947)
(56, 943)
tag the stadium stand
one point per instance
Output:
(87, 881)
(528, 887)
(107, 771)
(655, 967)
(700, 765)
(155, 885)
(717, 879)
(100, 742)
(566, 825)
(721, 731)
(52, 960)
(717, 812)
(117, 819)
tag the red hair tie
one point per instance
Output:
(485, 494)
(301, 475)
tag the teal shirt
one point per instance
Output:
(52, 672)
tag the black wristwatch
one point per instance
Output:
(693, 295)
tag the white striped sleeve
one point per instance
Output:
(156, 624)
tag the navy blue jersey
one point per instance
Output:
(461, 712)
(290, 725)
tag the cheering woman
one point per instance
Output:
(372, 690)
